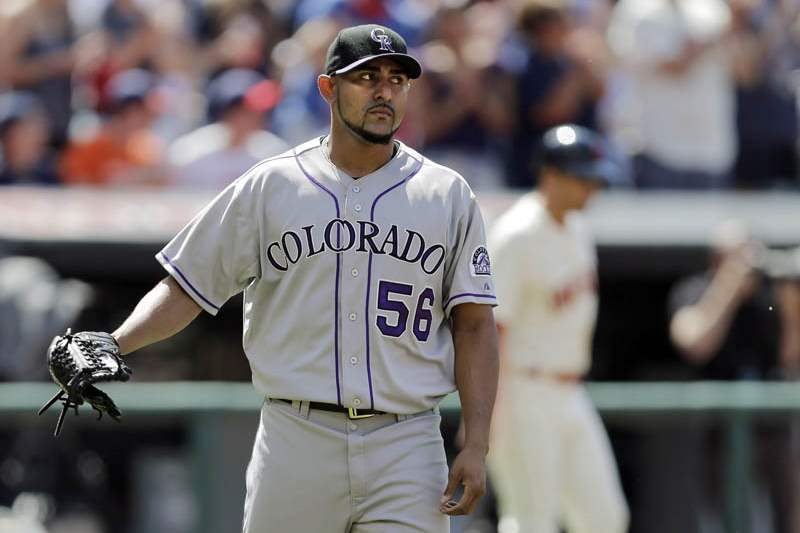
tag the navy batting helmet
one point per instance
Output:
(579, 152)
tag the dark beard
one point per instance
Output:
(368, 136)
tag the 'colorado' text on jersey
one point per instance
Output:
(341, 236)
(348, 283)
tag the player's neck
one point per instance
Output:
(557, 212)
(355, 157)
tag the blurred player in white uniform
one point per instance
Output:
(551, 460)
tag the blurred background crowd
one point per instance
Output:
(697, 94)
(156, 95)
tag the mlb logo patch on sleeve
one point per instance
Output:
(480, 262)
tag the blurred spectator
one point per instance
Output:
(767, 58)
(237, 34)
(731, 319)
(462, 100)
(735, 323)
(591, 14)
(683, 129)
(408, 17)
(25, 157)
(302, 114)
(128, 26)
(178, 71)
(38, 53)
(125, 39)
(131, 34)
(561, 82)
(124, 150)
(216, 154)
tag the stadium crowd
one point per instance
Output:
(695, 95)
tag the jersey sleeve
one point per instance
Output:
(216, 255)
(469, 276)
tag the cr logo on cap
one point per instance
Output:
(379, 36)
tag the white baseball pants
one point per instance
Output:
(551, 461)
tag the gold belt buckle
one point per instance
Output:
(352, 414)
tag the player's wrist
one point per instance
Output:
(123, 343)
(481, 448)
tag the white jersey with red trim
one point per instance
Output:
(546, 283)
(348, 283)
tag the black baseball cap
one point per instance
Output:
(356, 45)
(579, 152)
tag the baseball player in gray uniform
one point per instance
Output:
(367, 298)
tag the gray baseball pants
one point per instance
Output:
(315, 471)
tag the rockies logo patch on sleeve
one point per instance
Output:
(480, 262)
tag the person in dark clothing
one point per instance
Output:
(464, 118)
(25, 158)
(558, 84)
(39, 55)
(768, 54)
(733, 323)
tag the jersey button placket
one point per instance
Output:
(353, 300)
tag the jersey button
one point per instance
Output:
(354, 360)
(354, 272)
(353, 427)
(356, 401)
(352, 317)
(356, 188)
(357, 207)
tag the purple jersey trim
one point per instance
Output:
(186, 280)
(465, 294)
(336, 285)
(369, 278)
(268, 160)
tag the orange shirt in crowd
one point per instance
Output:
(104, 160)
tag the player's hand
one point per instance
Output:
(469, 470)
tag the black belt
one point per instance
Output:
(351, 412)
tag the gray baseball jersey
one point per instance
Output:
(348, 283)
